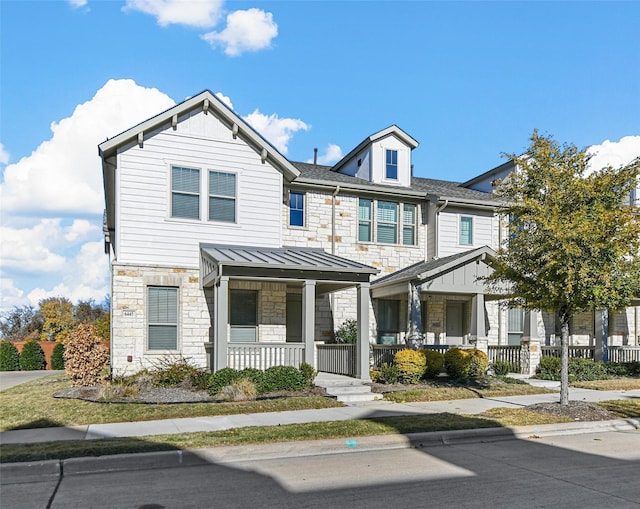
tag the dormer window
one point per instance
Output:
(391, 164)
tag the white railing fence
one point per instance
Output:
(264, 355)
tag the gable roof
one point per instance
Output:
(391, 130)
(426, 270)
(209, 102)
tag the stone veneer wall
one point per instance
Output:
(317, 233)
(129, 318)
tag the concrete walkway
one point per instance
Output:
(10, 379)
(369, 411)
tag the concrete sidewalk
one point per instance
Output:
(365, 411)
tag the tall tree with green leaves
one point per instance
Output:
(574, 236)
(57, 315)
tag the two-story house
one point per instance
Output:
(227, 253)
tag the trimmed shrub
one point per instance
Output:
(282, 378)
(457, 362)
(478, 363)
(411, 366)
(623, 368)
(583, 370)
(253, 374)
(549, 368)
(435, 361)
(9, 356)
(309, 372)
(85, 356)
(387, 374)
(57, 356)
(347, 332)
(501, 368)
(170, 372)
(222, 378)
(32, 356)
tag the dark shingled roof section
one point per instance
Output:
(323, 174)
(412, 271)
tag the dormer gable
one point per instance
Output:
(382, 158)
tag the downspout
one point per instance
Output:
(437, 226)
(333, 220)
(637, 310)
(500, 310)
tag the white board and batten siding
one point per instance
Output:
(147, 232)
(485, 230)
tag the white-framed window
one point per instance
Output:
(515, 328)
(243, 316)
(466, 230)
(387, 222)
(409, 224)
(222, 196)
(365, 220)
(185, 192)
(162, 318)
(391, 164)
(296, 209)
(388, 321)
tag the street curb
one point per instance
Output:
(15, 473)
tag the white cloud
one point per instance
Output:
(76, 4)
(193, 13)
(4, 155)
(614, 153)
(332, 155)
(224, 99)
(80, 229)
(63, 175)
(10, 296)
(32, 249)
(249, 30)
(275, 129)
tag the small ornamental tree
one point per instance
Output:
(85, 356)
(9, 356)
(574, 236)
(57, 356)
(32, 356)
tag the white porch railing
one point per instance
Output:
(624, 353)
(264, 355)
(506, 353)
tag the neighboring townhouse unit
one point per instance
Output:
(227, 253)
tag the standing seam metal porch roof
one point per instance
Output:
(284, 258)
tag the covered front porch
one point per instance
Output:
(264, 304)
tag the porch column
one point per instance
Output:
(309, 320)
(362, 345)
(601, 335)
(222, 322)
(478, 325)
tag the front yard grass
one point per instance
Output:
(497, 417)
(615, 384)
(32, 405)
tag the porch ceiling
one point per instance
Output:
(286, 263)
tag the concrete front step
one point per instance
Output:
(346, 389)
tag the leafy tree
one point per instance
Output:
(57, 314)
(9, 356)
(574, 239)
(87, 311)
(32, 356)
(103, 326)
(20, 322)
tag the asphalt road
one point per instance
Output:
(577, 471)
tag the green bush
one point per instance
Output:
(623, 368)
(387, 374)
(435, 361)
(32, 357)
(478, 363)
(309, 372)
(501, 368)
(411, 366)
(222, 378)
(347, 332)
(282, 378)
(57, 356)
(9, 356)
(169, 372)
(253, 374)
(457, 362)
(549, 368)
(583, 370)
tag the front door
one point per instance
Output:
(455, 322)
(294, 318)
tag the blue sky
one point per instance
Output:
(468, 80)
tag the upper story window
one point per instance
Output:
(296, 209)
(387, 222)
(408, 224)
(466, 230)
(185, 192)
(162, 318)
(222, 196)
(387, 219)
(365, 220)
(391, 164)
